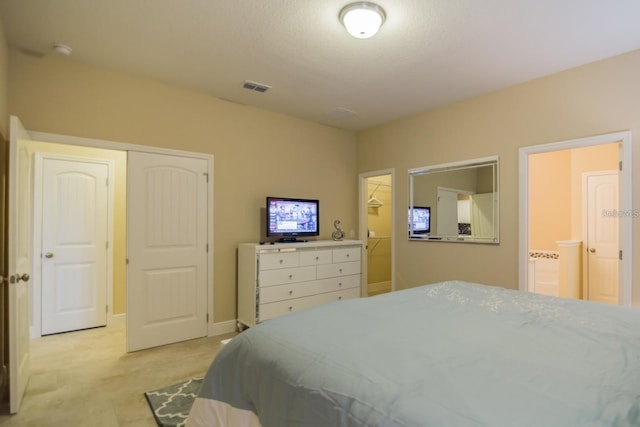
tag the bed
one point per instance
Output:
(451, 354)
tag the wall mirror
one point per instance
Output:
(455, 202)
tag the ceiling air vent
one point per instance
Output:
(258, 87)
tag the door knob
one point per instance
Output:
(592, 250)
(24, 277)
(48, 255)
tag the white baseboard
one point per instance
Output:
(118, 319)
(221, 328)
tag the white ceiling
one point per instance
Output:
(428, 52)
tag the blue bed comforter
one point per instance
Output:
(452, 354)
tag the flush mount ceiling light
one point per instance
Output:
(62, 49)
(362, 19)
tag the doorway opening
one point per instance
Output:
(73, 242)
(46, 259)
(377, 227)
(563, 251)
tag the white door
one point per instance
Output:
(167, 249)
(447, 213)
(19, 262)
(602, 246)
(74, 244)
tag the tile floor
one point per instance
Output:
(86, 378)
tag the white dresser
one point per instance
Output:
(280, 278)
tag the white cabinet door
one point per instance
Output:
(19, 262)
(167, 249)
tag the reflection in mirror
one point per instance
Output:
(455, 202)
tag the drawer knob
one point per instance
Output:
(281, 261)
(348, 255)
(290, 308)
(340, 270)
(339, 283)
(291, 276)
(317, 258)
(290, 292)
(339, 298)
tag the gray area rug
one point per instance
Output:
(171, 405)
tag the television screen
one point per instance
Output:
(420, 219)
(289, 218)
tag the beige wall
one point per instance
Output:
(598, 98)
(4, 70)
(256, 153)
(550, 197)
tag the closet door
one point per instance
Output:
(167, 249)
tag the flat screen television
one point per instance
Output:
(420, 219)
(289, 219)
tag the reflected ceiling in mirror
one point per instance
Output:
(455, 202)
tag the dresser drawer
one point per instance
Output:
(285, 292)
(341, 269)
(286, 275)
(316, 257)
(346, 254)
(278, 260)
(297, 290)
(275, 309)
(340, 282)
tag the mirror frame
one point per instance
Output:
(453, 166)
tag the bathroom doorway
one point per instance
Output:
(559, 253)
(376, 229)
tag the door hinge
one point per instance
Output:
(620, 255)
(107, 245)
(127, 261)
(207, 317)
(620, 165)
(206, 176)
(107, 308)
(207, 248)
(107, 182)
